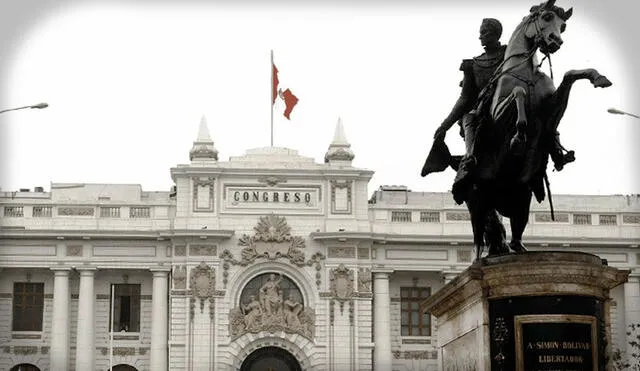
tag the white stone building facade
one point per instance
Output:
(266, 261)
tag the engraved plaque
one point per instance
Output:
(556, 342)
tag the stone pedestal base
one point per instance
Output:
(527, 312)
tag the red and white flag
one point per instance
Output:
(287, 96)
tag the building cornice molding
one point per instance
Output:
(93, 234)
(253, 172)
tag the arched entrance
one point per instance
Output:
(124, 367)
(270, 359)
(24, 367)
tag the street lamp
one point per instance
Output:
(616, 111)
(38, 106)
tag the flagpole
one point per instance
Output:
(272, 96)
(111, 319)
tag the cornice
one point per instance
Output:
(308, 173)
(93, 234)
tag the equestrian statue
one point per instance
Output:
(509, 112)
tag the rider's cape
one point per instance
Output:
(438, 159)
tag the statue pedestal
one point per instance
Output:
(527, 312)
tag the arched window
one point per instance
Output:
(25, 367)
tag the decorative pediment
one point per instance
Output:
(272, 241)
(202, 283)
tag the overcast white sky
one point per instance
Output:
(127, 83)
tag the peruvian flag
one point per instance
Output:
(287, 96)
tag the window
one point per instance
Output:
(139, 212)
(13, 211)
(28, 305)
(401, 216)
(412, 321)
(126, 308)
(430, 217)
(583, 219)
(42, 211)
(608, 219)
(109, 212)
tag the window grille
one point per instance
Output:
(13, 211)
(109, 212)
(139, 212)
(412, 321)
(401, 216)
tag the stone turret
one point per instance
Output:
(203, 149)
(339, 151)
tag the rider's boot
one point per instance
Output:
(558, 155)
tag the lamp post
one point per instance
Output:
(38, 106)
(616, 111)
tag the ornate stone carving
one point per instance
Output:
(341, 282)
(180, 250)
(124, 351)
(44, 350)
(272, 312)
(104, 351)
(143, 351)
(342, 289)
(25, 350)
(180, 277)
(74, 250)
(203, 250)
(272, 240)
(341, 252)
(364, 280)
(271, 180)
(76, 211)
(202, 283)
(631, 218)
(6, 349)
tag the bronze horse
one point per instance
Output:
(518, 118)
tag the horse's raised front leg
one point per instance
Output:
(518, 96)
(560, 98)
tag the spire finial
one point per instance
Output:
(203, 148)
(339, 148)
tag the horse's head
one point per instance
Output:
(547, 22)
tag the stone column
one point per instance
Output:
(59, 352)
(85, 338)
(382, 320)
(631, 308)
(159, 325)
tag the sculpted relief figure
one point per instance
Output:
(271, 295)
(292, 310)
(252, 314)
(268, 311)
